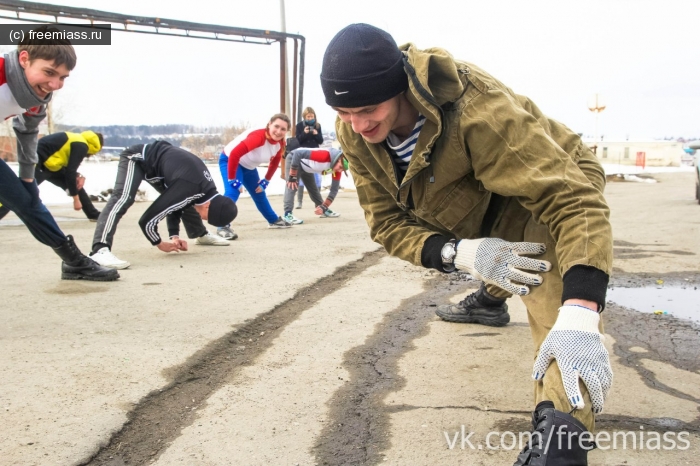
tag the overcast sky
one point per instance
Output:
(641, 56)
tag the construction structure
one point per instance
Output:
(22, 11)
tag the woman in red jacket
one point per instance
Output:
(239, 167)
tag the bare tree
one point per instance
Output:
(230, 133)
(195, 144)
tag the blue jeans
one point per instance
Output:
(31, 211)
(250, 179)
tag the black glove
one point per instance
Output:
(33, 190)
(293, 179)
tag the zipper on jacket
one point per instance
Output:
(390, 152)
(411, 72)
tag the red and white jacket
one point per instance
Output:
(8, 104)
(314, 161)
(252, 148)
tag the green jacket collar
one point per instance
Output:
(434, 81)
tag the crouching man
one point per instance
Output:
(455, 170)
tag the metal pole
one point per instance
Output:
(596, 106)
(294, 88)
(283, 25)
(595, 136)
(302, 55)
(283, 77)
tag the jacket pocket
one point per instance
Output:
(467, 199)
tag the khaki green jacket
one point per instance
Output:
(484, 156)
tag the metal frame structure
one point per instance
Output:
(19, 10)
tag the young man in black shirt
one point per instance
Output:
(187, 193)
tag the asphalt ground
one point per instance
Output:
(312, 346)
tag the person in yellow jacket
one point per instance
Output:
(60, 155)
(454, 170)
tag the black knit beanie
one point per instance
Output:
(362, 66)
(222, 211)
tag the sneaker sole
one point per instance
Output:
(231, 238)
(77, 276)
(211, 244)
(497, 321)
(115, 267)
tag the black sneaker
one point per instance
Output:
(280, 223)
(470, 310)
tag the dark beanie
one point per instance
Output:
(362, 66)
(222, 211)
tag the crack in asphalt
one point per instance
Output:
(403, 408)
(159, 418)
(359, 419)
(356, 432)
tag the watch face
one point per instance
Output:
(448, 252)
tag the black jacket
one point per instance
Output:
(309, 139)
(182, 179)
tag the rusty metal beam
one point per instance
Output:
(18, 10)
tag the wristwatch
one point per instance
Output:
(448, 253)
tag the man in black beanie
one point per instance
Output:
(455, 171)
(187, 192)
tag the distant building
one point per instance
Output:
(640, 153)
(8, 139)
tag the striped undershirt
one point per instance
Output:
(403, 150)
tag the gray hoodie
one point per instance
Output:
(26, 125)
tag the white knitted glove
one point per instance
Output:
(495, 261)
(577, 345)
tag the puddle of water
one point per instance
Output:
(683, 303)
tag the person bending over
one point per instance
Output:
(302, 165)
(187, 192)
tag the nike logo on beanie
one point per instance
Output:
(366, 63)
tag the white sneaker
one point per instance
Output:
(105, 258)
(289, 218)
(227, 233)
(211, 240)
(330, 214)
